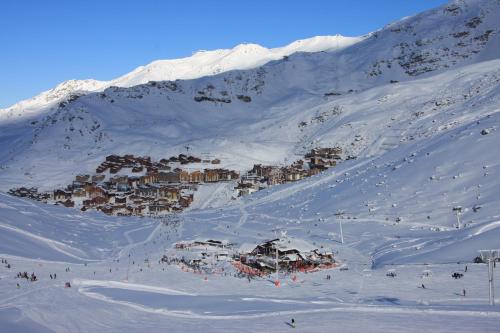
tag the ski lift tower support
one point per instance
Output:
(458, 211)
(490, 256)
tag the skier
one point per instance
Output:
(464, 292)
(51, 276)
(423, 287)
(18, 286)
(466, 268)
(293, 323)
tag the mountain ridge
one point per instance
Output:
(201, 63)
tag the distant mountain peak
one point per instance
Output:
(201, 63)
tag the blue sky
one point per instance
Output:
(46, 42)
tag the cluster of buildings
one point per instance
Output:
(136, 185)
(261, 176)
(30, 193)
(142, 187)
(286, 255)
(137, 164)
(283, 254)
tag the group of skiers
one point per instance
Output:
(455, 275)
(4, 261)
(24, 275)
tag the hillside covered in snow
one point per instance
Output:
(415, 108)
(201, 63)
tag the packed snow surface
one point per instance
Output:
(415, 107)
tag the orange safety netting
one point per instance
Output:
(247, 269)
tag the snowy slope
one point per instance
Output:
(418, 141)
(424, 145)
(201, 63)
(307, 100)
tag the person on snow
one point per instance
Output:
(423, 287)
(293, 323)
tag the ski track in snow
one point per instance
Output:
(416, 106)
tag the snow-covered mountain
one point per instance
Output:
(201, 63)
(417, 104)
(274, 112)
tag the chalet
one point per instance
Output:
(60, 195)
(316, 169)
(98, 178)
(292, 260)
(95, 191)
(317, 257)
(137, 168)
(120, 200)
(170, 193)
(102, 168)
(169, 177)
(129, 159)
(267, 248)
(163, 167)
(250, 179)
(121, 210)
(257, 170)
(79, 192)
(213, 243)
(114, 168)
(327, 153)
(211, 176)
(118, 179)
(152, 169)
(82, 178)
(146, 191)
(108, 210)
(184, 176)
(137, 209)
(149, 178)
(298, 164)
(314, 161)
(157, 208)
(98, 201)
(67, 203)
(144, 160)
(292, 175)
(113, 158)
(224, 174)
(76, 184)
(183, 159)
(185, 201)
(123, 187)
(196, 177)
(193, 159)
(136, 199)
(274, 176)
(133, 181)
